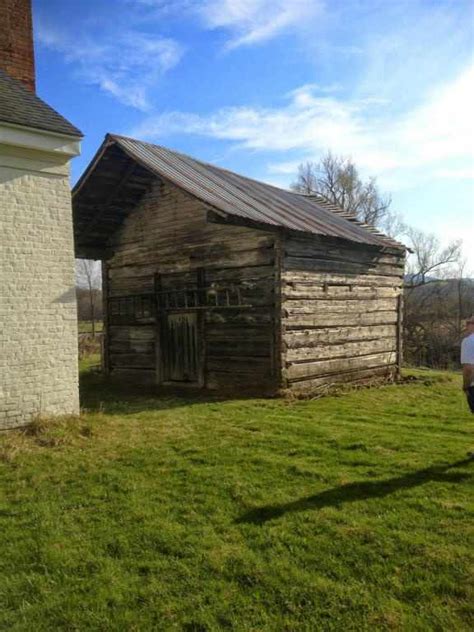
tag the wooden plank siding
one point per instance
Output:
(340, 310)
(168, 233)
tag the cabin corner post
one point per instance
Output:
(400, 310)
(158, 331)
(202, 343)
(105, 359)
(400, 333)
(278, 323)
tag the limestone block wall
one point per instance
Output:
(38, 324)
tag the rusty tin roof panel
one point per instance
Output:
(256, 201)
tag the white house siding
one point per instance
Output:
(38, 324)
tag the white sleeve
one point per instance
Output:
(467, 350)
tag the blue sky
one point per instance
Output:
(259, 86)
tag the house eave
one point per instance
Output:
(56, 145)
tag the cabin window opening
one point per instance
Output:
(206, 297)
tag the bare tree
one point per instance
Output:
(393, 225)
(88, 275)
(436, 300)
(465, 294)
(337, 180)
(429, 261)
(307, 179)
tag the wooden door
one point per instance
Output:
(181, 348)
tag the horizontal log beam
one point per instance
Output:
(327, 367)
(344, 350)
(323, 265)
(328, 307)
(302, 279)
(309, 321)
(347, 377)
(336, 335)
(346, 292)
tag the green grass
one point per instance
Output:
(178, 513)
(85, 326)
(90, 363)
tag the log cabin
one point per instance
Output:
(214, 280)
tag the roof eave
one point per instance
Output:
(39, 140)
(91, 166)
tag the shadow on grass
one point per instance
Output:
(119, 397)
(358, 491)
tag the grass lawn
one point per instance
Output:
(179, 513)
(91, 363)
(85, 326)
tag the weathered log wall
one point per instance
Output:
(340, 312)
(168, 233)
(315, 311)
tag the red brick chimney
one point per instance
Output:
(17, 56)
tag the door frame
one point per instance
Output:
(160, 353)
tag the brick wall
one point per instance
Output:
(38, 326)
(16, 41)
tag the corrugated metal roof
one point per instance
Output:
(249, 199)
(20, 106)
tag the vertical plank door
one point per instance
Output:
(181, 347)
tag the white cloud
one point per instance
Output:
(420, 142)
(409, 45)
(254, 21)
(456, 174)
(442, 128)
(246, 22)
(125, 66)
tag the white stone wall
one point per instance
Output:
(38, 324)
